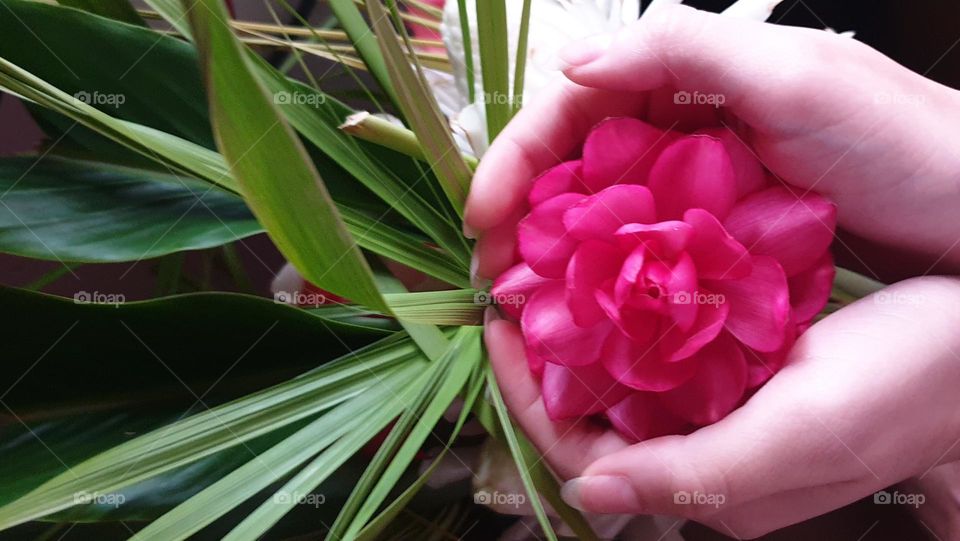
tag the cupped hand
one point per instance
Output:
(867, 399)
(821, 111)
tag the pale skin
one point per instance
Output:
(868, 397)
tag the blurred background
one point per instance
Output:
(922, 35)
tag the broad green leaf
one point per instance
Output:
(220, 428)
(276, 176)
(120, 10)
(68, 210)
(494, 63)
(420, 108)
(144, 350)
(130, 72)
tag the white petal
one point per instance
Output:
(757, 10)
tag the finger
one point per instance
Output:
(496, 249)
(886, 361)
(568, 446)
(542, 134)
(736, 58)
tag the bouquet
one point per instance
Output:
(660, 275)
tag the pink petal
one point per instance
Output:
(542, 240)
(665, 239)
(810, 289)
(600, 215)
(748, 172)
(694, 172)
(794, 229)
(515, 286)
(564, 178)
(535, 362)
(763, 366)
(717, 255)
(592, 264)
(621, 151)
(572, 392)
(759, 304)
(717, 387)
(677, 344)
(640, 416)
(640, 324)
(639, 365)
(551, 334)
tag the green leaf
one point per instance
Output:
(120, 10)
(68, 210)
(155, 75)
(276, 176)
(421, 110)
(494, 63)
(221, 427)
(364, 42)
(521, 62)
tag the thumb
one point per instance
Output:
(678, 46)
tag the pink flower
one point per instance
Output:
(663, 276)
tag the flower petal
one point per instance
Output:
(551, 334)
(717, 255)
(572, 392)
(559, 179)
(542, 240)
(639, 365)
(621, 151)
(810, 289)
(748, 173)
(717, 387)
(759, 304)
(693, 172)
(517, 283)
(677, 344)
(640, 417)
(665, 239)
(592, 264)
(762, 366)
(600, 215)
(794, 229)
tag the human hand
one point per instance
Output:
(857, 408)
(821, 111)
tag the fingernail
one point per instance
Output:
(490, 315)
(584, 51)
(469, 232)
(612, 488)
(476, 281)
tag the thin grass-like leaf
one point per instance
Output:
(421, 110)
(494, 63)
(365, 42)
(521, 62)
